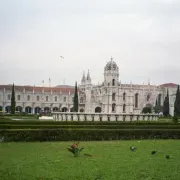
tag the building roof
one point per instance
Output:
(172, 85)
(111, 65)
(38, 89)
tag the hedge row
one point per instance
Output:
(32, 122)
(86, 135)
(100, 126)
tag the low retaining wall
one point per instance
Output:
(72, 116)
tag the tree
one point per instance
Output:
(147, 110)
(13, 101)
(156, 102)
(166, 105)
(76, 101)
(177, 103)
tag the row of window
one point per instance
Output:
(46, 98)
(136, 98)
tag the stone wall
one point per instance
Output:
(68, 116)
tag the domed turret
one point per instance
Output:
(111, 73)
(111, 66)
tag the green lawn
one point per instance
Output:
(110, 160)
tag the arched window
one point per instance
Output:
(114, 96)
(19, 97)
(46, 98)
(124, 96)
(28, 97)
(124, 108)
(159, 99)
(9, 97)
(98, 110)
(64, 99)
(113, 107)
(81, 100)
(136, 100)
(113, 82)
(148, 97)
(55, 99)
(37, 98)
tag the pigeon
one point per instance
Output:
(167, 157)
(88, 155)
(2, 139)
(132, 148)
(153, 152)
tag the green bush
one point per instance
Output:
(175, 119)
(33, 122)
(100, 126)
(87, 135)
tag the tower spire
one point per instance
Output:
(83, 80)
(88, 75)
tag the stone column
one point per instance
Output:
(81, 117)
(134, 118)
(112, 117)
(69, 117)
(146, 117)
(96, 117)
(4, 108)
(127, 117)
(32, 110)
(104, 117)
(75, 117)
(120, 118)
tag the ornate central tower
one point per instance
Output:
(111, 74)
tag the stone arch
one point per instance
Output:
(55, 109)
(113, 107)
(136, 100)
(64, 109)
(72, 109)
(98, 109)
(28, 109)
(37, 110)
(19, 108)
(81, 110)
(1, 108)
(8, 109)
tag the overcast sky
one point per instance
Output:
(143, 37)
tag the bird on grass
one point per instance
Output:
(153, 152)
(88, 155)
(2, 139)
(167, 157)
(132, 148)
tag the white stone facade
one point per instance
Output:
(111, 96)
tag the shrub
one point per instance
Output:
(87, 135)
(175, 119)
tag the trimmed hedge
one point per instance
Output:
(32, 122)
(100, 126)
(86, 135)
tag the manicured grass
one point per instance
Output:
(111, 160)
